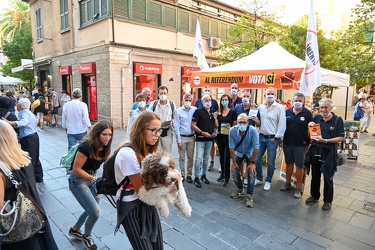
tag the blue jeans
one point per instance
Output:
(73, 139)
(202, 155)
(85, 193)
(271, 147)
(250, 175)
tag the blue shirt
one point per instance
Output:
(250, 142)
(239, 110)
(135, 105)
(236, 102)
(182, 122)
(135, 114)
(26, 123)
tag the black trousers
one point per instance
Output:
(223, 146)
(30, 144)
(316, 174)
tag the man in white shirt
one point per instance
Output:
(271, 132)
(75, 118)
(165, 108)
(183, 117)
(64, 98)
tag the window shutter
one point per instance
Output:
(121, 8)
(170, 17)
(155, 13)
(139, 10)
(184, 21)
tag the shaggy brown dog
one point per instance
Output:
(161, 185)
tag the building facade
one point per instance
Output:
(112, 49)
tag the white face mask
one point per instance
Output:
(270, 98)
(298, 105)
(234, 91)
(207, 105)
(163, 97)
(142, 104)
(245, 101)
(187, 105)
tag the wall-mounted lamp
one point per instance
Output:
(49, 76)
(171, 80)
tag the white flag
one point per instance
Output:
(311, 77)
(198, 49)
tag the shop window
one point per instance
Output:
(155, 13)
(39, 35)
(64, 15)
(121, 8)
(170, 17)
(139, 10)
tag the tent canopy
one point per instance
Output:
(8, 80)
(270, 66)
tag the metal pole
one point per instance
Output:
(346, 102)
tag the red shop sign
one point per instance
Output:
(148, 68)
(86, 68)
(186, 71)
(65, 70)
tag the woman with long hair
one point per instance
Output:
(140, 221)
(18, 162)
(227, 118)
(95, 148)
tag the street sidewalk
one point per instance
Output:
(277, 220)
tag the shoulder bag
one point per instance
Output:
(341, 156)
(20, 219)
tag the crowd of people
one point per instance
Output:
(242, 130)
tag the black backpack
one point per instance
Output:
(107, 184)
(170, 103)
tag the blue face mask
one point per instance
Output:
(225, 104)
(207, 93)
(242, 127)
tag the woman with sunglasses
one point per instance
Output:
(140, 221)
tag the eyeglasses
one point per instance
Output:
(298, 100)
(324, 107)
(155, 131)
(243, 123)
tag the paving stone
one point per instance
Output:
(362, 221)
(342, 201)
(176, 240)
(346, 240)
(343, 190)
(270, 243)
(358, 195)
(303, 244)
(355, 232)
(311, 237)
(342, 214)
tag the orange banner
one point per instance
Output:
(249, 79)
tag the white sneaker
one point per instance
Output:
(257, 182)
(267, 186)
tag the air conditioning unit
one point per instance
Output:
(214, 43)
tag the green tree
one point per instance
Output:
(13, 19)
(19, 48)
(254, 29)
(357, 45)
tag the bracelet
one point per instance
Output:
(201, 132)
(326, 141)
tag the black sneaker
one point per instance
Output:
(204, 179)
(197, 183)
(311, 200)
(221, 178)
(226, 183)
(189, 180)
(89, 243)
(211, 167)
(182, 178)
(75, 233)
(286, 187)
(327, 206)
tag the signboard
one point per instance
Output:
(187, 71)
(65, 70)
(119, 58)
(86, 68)
(259, 79)
(144, 68)
(350, 145)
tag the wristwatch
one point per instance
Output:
(93, 181)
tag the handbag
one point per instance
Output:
(20, 219)
(341, 156)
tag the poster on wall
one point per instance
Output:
(350, 144)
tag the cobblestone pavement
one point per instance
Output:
(277, 220)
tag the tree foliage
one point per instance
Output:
(19, 48)
(357, 45)
(13, 19)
